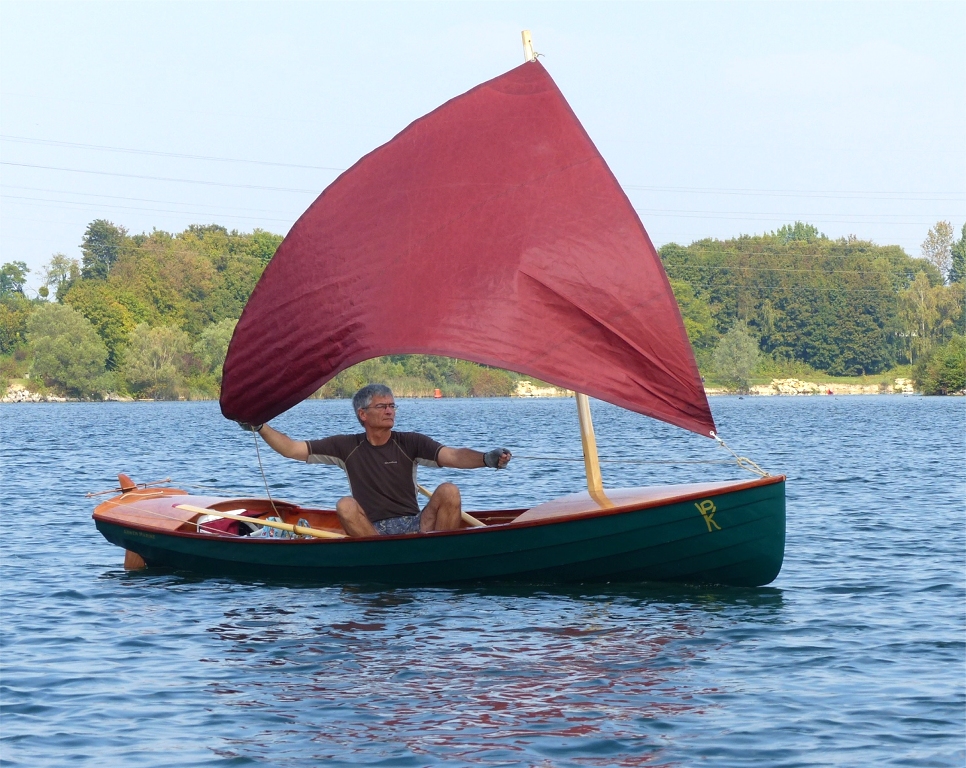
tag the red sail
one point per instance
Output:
(489, 230)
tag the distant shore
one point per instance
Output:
(776, 388)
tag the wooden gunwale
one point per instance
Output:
(510, 525)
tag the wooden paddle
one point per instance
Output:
(299, 529)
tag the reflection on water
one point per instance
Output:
(603, 671)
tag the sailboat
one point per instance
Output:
(491, 230)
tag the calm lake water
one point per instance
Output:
(854, 656)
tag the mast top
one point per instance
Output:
(528, 54)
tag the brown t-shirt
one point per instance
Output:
(382, 478)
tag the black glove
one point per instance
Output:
(250, 427)
(492, 458)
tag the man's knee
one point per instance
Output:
(347, 506)
(447, 493)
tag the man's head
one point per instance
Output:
(369, 404)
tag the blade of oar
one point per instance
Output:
(299, 529)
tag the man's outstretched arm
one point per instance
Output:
(281, 443)
(467, 458)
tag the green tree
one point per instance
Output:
(68, 353)
(930, 314)
(800, 231)
(112, 314)
(60, 273)
(212, 346)
(14, 312)
(937, 247)
(154, 361)
(827, 304)
(13, 276)
(696, 314)
(957, 259)
(101, 247)
(735, 357)
(944, 371)
(234, 280)
(262, 245)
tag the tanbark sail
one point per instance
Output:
(490, 230)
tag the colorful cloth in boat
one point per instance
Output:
(382, 478)
(394, 526)
(265, 532)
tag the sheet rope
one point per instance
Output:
(742, 461)
(258, 455)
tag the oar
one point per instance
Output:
(299, 529)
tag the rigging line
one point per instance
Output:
(102, 148)
(242, 493)
(264, 479)
(627, 461)
(743, 461)
(161, 178)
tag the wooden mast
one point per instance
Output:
(528, 54)
(588, 441)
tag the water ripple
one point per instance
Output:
(855, 656)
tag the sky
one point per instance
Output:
(718, 119)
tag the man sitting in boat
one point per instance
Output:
(381, 466)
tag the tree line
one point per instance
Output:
(151, 315)
(797, 300)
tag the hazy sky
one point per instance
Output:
(718, 118)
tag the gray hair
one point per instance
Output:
(363, 398)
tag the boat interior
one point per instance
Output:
(172, 510)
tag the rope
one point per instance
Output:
(262, 470)
(743, 461)
(624, 461)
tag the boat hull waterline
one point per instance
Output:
(730, 533)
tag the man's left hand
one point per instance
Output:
(498, 458)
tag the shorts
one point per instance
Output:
(394, 526)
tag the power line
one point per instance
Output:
(155, 153)
(654, 212)
(829, 194)
(64, 203)
(125, 197)
(761, 214)
(775, 269)
(780, 217)
(844, 195)
(162, 178)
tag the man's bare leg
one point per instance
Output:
(353, 519)
(443, 511)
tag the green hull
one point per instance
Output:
(742, 544)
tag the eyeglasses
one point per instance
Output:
(383, 407)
